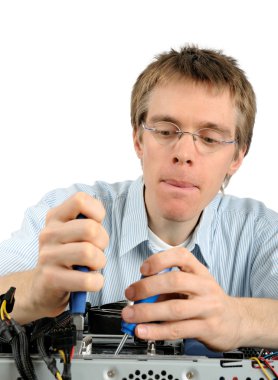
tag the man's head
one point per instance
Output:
(210, 68)
(202, 93)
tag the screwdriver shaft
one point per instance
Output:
(122, 343)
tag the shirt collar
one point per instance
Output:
(203, 233)
(135, 221)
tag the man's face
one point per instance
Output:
(179, 180)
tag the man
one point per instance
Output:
(192, 114)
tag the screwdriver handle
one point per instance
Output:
(129, 328)
(78, 299)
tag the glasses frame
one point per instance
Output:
(195, 135)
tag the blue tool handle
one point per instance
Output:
(78, 299)
(129, 328)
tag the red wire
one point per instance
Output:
(267, 363)
(71, 352)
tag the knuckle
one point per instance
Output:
(94, 282)
(94, 235)
(182, 250)
(176, 309)
(99, 236)
(92, 256)
(177, 280)
(90, 230)
(145, 286)
(46, 235)
(143, 312)
(85, 251)
(43, 257)
(79, 198)
(175, 331)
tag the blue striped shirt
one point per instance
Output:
(236, 239)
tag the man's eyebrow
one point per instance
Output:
(204, 124)
(217, 127)
(164, 117)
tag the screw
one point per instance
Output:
(111, 373)
(189, 375)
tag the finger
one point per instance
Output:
(78, 203)
(66, 280)
(213, 336)
(171, 330)
(175, 257)
(170, 282)
(174, 310)
(67, 255)
(76, 230)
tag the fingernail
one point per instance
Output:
(130, 293)
(142, 331)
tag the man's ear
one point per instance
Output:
(138, 143)
(236, 163)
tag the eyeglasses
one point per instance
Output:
(207, 140)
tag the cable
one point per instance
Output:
(50, 335)
(63, 356)
(49, 359)
(271, 355)
(4, 312)
(58, 376)
(15, 335)
(261, 366)
(56, 335)
(267, 363)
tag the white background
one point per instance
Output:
(66, 72)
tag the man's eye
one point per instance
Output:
(164, 133)
(209, 140)
(210, 136)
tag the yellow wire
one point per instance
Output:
(63, 356)
(4, 311)
(59, 377)
(261, 366)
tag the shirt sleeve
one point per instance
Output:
(264, 272)
(20, 252)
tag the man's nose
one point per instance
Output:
(184, 150)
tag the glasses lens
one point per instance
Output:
(209, 140)
(165, 132)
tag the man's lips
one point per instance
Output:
(180, 184)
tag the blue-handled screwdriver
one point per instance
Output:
(78, 306)
(129, 328)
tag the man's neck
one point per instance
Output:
(172, 232)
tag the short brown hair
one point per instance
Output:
(204, 66)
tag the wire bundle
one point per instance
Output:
(15, 335)
(264, 362)
(56, 335)
(51, 335)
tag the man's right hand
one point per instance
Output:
(64, 242)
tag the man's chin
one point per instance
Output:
(178, 216)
